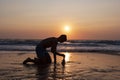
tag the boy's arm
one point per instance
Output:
(56, 53)
(53, 50)
(60, 54)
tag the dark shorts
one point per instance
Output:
(43, 55)
(41, 52)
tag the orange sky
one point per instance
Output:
(37, 19)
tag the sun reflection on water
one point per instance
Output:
(67, 56)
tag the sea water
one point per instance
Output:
(107, 46)
(81, 63)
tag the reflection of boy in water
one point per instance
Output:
(42, 54)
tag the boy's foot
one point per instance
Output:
(27, 60)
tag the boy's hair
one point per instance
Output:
(63, 37)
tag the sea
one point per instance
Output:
(28, 45)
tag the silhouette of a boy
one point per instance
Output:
(43, 56)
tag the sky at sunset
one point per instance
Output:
(37, 19)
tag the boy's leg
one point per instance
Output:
(43, 56)
(43, 60)
(48, 58)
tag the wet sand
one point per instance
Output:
(79, 66)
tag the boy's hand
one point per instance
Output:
(63, 55)
(63, 62)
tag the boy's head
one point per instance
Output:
(62, 38)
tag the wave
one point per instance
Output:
(69, 46)
(73, 42)
(18, 42)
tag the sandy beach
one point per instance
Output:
(79, 66)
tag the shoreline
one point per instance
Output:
(85, 66)
(98, 52)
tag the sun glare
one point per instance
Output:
(67, 28)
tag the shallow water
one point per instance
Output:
(79, 66)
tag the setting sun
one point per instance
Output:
(67, 28)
